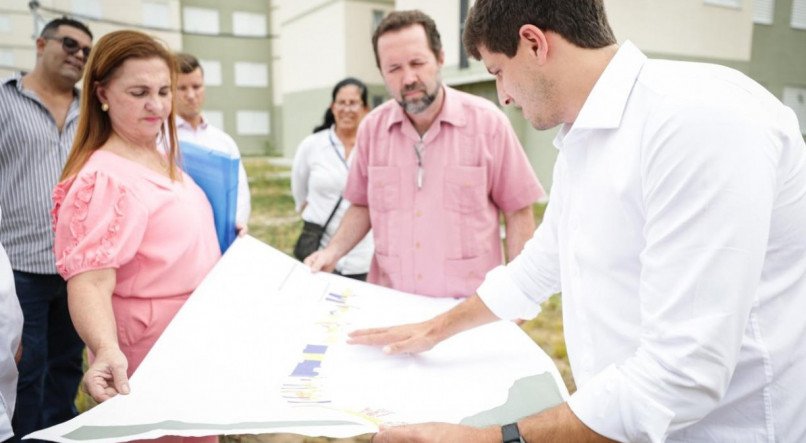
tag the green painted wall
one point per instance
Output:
(229, 49)
(779, 52)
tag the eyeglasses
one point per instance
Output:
(354, 105)
(71, 45)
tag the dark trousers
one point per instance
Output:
(50, 368)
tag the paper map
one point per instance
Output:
(260, 347)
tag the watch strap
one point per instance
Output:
(510, 433)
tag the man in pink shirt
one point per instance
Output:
(433, 169)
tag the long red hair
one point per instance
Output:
(94, 126)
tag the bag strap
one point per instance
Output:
(332, 213)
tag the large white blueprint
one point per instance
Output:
(260, 347)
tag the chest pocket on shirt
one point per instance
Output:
(465, 189)
(383, 190)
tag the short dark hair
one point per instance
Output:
(397, 20)
(52, 27)
(495, 23)
(187, 63)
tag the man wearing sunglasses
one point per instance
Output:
(39, 111)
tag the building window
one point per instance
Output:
(727, 3)
(200, 20)
(799, 14)
(377, 16)
(763, 11)
(87, 8)
(795, 98)
(212, 72)
(215, 118)
(249, 24)
(251, 74)
(6, 58)
(5, 24)
(156, 14)
(253, 122)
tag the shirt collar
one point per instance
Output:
(452, 111)
(182, 123)
(605, 105)
(16, 79)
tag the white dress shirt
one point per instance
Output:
(318, 178)
(209, 136)
(10, 333)
(676, 232)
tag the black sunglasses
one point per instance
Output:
(71, 45)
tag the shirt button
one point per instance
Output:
(417, 245)
(419, 277)
(418, 213)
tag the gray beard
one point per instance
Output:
(421, 104)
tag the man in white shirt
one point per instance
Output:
(676, 232)
(191, 126)
(10, 350)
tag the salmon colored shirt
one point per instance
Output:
(157, 233)
(441, 239)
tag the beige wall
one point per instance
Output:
(687, 28)
(446, 16)
(360, 58)
(320, 42)
(324, 42)
(312, 47)
(18, 41)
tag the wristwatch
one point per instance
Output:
(511, 433)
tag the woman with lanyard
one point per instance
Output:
(320, 172)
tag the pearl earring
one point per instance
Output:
(104, 107)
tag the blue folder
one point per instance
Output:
(217, 174)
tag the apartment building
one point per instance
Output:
(765, 39)
(233, 43)
(270, 64)
(231, 39)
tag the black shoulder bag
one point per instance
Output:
(310, 239)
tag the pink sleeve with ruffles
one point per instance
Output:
(98, 224)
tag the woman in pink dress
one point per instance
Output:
(134, 234)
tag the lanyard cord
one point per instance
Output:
(419, 147)
(336, 150)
